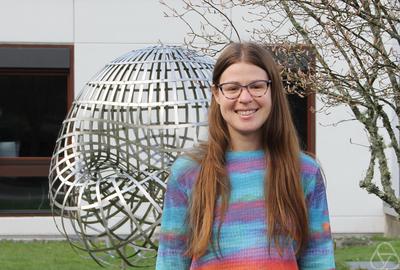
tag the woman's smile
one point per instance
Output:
(247, 112)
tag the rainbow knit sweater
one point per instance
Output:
(243, 241)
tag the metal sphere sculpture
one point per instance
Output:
(110, 164)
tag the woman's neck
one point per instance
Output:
(245, 144)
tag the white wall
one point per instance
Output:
(43, 21)
(344, 160)
(102, 30)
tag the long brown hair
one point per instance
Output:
(286, 212)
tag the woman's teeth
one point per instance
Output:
(244, 113)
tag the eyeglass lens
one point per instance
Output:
(256, 88)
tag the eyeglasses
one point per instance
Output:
(232, 90)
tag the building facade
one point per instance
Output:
(81, 36)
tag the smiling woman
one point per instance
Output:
(248, 198)
(244, 112)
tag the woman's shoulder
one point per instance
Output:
(184, 170)
(311, 174)
(309, 164)
(184, 163)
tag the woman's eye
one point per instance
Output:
(232, 87)
(258, 85)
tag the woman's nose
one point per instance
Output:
(245, 96)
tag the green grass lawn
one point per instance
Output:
(359, 251)
(58, 255)
(48, 255)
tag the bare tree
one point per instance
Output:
(354, 43)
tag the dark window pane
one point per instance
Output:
(298, 107)
(24, 194)
(32, 108)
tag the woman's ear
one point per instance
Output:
(215, 92)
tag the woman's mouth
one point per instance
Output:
(246, 112)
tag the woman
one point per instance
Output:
(248, 198)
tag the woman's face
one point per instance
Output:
(245, 115)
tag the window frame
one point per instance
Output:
(35, 166)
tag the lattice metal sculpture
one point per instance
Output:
(112, 156)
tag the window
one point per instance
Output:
(35, 94)
(304, 120)
(295, 60)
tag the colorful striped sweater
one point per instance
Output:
(243, 240)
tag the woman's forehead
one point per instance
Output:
(243, 72)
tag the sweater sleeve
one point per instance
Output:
(319, 253)
(173, 233)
